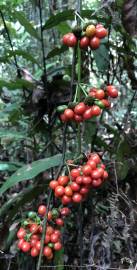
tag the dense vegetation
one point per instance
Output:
(38, 74)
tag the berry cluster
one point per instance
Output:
(96, 100)
(30, 232)
(90, 37)
(75, 186)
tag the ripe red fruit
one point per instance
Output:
(63, 180)
(84, 190)
(49, 230)
(54, 238)
(78, 118)
(25, 246)
(68, 191)
(105, 175)
(92, 164)
(47, 238)
(80, 108)
(63, 117)
(77, 198)
(65, 211)
(65, 38)
(59, 221)
(65, 200)
(112, 91)
(59, 191)
(106, 103)
(96, 174)
(87, 180)
(75, 186)
(86, 169)
(72, 40)
(20, 242)
(95, 157)
(75, 173)
(87, 114)
(34, 228)
(35, 236)
(34, 252)
(92, 92)
(96, 182)
(84, 42)
(95, 110)
(99, 25)
(100, 171)
(49, 215)
(101, 32)
(33, 242)
(69, 114)
(42, 210)
(57, 232)
(47, 251)
(100, 94)
(21, 233)
(79, 180)
(94, 43)
(53, 184)
(57, 246)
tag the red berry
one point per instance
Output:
(96, 174)
(63, 117)
(33, 242)
(35, 236)
(65, 38)
(69, 114)
(80, 108)
(47, 251)
(112, 91)
(57, 232)
(53, 184)
(75, 173)
(92, 164)
(68, 191)
(95, 110)
(21, 233)
(42, 210)
(87, 180)
(63, 180)
(106, 103)
(72, 40)
(77, 198)
(96, 182)
(34, 252)
(84, 190)
(95, 157)
(101, 32)
(78, 118)
(86, 169)
(57, 246)
(75, 186)
(47, 238)
(100, 94)
(59, 191)
(54, 238)
(105, 175)
(79, 180)
(84, 42)
(65, 200)
(25, 246)
(20, 242)
(34, 228)
(49, 230)
(87, 114)
(65, 211)
(59, 221)
(94, 43)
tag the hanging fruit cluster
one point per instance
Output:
(96, 100)
(30, 232)
(90, 36)
(75, 186)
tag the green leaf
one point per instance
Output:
(101, 57)
(54, 20)
(57, 51)
(19, 15)
(101, 143)
(89, 130)
(12, 135)
(58, 18)
(63, 28)
(122, 168)
(31, 170)
(18, 84)
(58, 259)
(24, 54)
(9, 166)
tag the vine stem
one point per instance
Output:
(78, 97)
